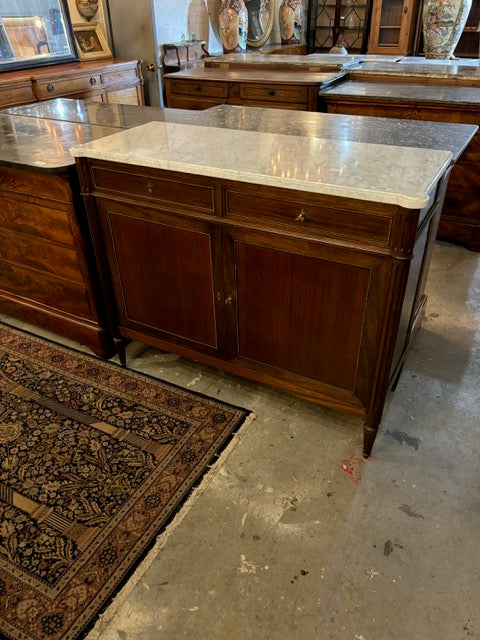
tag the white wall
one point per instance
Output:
(184, 17)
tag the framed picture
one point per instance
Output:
(34, 33)
(91, 42)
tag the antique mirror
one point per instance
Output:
(35, 33)
(260, 21)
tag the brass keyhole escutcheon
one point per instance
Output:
(229, 300)
(149, 187)
(302, 216)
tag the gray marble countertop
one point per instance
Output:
(314, 61)
(119, 116)
(418, 69)
(43, 144)
(390, 131)
(397, 175)
(39, 136)
(405, 91)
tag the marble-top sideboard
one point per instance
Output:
(300, 244)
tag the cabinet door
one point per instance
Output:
(328, 19)
(394, 27)
(164, 270)
(308, 312)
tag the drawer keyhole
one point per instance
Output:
(271, 92)
(150, 187)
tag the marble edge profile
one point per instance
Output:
(358, 193)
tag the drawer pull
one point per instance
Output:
(149, 187)
(302, 216)
(229, 300)
(50, 87)
(93, 81)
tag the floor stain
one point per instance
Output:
(410, 512)
(402, 437)
(389, 546)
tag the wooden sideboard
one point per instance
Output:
(111, 80)
(460, 219)
(316, 295)
(203, 88)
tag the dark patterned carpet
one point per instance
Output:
(94, 461)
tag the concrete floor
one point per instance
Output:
(294, 536)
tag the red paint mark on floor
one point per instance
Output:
(353, 467)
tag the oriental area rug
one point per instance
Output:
(94, 462)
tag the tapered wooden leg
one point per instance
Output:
(120, 348)
(369, 434)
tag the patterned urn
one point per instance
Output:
(233, 21)
(291, 21)
(443, 24)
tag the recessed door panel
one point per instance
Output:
(163, 277)
(301, 313)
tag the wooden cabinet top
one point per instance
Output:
(67, 70)
(257, 76)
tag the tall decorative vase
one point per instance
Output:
(291, 21)
(233, 20)
(443, 24)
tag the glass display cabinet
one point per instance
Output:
(327, 20)
(395, 27)
(35, 33)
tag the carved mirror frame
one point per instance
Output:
(259, 42)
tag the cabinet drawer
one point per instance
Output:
(195, 196)
(36, 221)
(125, 77)
(51, 88)
(41, 255)
(50, 291)
(16, 94)
(309, 217)
(199, 88)
(272, 92)
(193, 102)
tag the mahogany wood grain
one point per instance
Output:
(47, 272)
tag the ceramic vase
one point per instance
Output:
(443, 24)
(291, 21)
(233, 22)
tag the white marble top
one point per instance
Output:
(376, 172)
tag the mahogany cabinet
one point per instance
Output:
(460, 219)
(47, 271)
(111, 80)
(316, 295)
